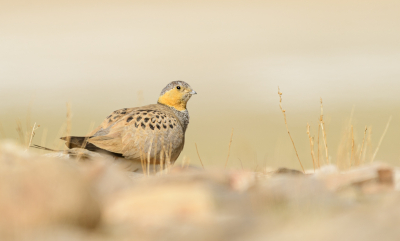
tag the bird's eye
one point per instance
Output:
(178, 87)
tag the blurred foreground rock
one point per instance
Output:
(44, 198)
(36, 192)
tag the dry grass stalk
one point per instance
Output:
(28, 120)
(344, 150)
(352, 147)
(169, 154)
(287, 128)
(85, 141)
(199, 155)
(318, 146)
(167, 157)
(162, 154)
(68, 129)
(188, 161)
(34, 128)
(255, 169)
(148, 156)
(368, 147)
(20, 133)
(44, 137)
(241, 163)
(161, 158)
(311, 146)
(380, 141)
(362, 146)
(155, 153)
(185, 162)
(165, 151)
(321, 119)
(256, 161)
(141, 153)
(142, 161)
(229, 149)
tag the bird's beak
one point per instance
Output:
(193, 92)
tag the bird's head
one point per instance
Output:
(176, 94)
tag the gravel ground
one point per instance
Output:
(43, 198)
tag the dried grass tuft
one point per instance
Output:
(362, 147)
(34, 128)
(197, 150)
(352, 146)
(321, 119)
(148, 156)
(44, 137)
(241, 164)
(69, 124)
(380, 140)
(311, 145)
(287, 128)
(142, 161)
(318, 146)
(20, 132)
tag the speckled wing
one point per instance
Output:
(111, 120)
(138, 133)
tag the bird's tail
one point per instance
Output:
(43, 148)
(74, 153)
(76, 141)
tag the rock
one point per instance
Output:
(180, 204)
(369, 178)
(284, 170)
(37, 191)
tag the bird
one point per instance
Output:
(143, 139)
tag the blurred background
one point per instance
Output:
(105, 55)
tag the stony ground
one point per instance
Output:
(52, 199)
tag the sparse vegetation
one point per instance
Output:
(103, 202)
(345, 149)
(287, 128)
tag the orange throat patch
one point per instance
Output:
(173, 98)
